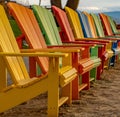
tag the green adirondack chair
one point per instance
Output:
(45, 18)
(113, 26)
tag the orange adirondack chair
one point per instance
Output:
(106, 25)
(113, 25)
(29, 27)
(107, 28)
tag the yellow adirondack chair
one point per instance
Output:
(77, 29)
(23, 87)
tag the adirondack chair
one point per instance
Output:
(66, 30)
(20, 13)
(23, 87)
(76, 24)
(115, 32)
(84, 24)
(108, 29)
(101, 34)
(91, 24)
(113, 26)
(42, 14)
(89, 30)
(107, 26)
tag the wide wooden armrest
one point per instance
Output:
(88, 44)
(91, 42)
(93, 39)
(70, 46)
(82, 44)
(112, 38)
(31, 54)
(63, 50)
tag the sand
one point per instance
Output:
(102, 100)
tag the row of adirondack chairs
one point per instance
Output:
(66, 50)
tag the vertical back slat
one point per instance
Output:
(29, 27)
(8, 44)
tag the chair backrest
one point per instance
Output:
(106, 24)
(74, 22)
(91, 24)
(65, 29)
(8, 44)
(98, 25)
(85, 25)
(30, 28)
(112, 23)
(48, 25)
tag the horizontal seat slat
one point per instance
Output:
(62, 100)
(82, 86)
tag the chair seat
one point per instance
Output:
(110, 53)
(27, 82)
(116, 51)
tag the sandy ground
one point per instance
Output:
(102, 100)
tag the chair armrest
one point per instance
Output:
(92, 42)
(112, 38)
(41, 54)
(63, 50)
(93, 39)
(82, 44)
(70, 46)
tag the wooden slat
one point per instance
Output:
(91, 79)
(9, 44)
(29, 26)
(68, 73)
(62, 100)
(64, 69)
(65, 81)
(82, 86)
(41, 54)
